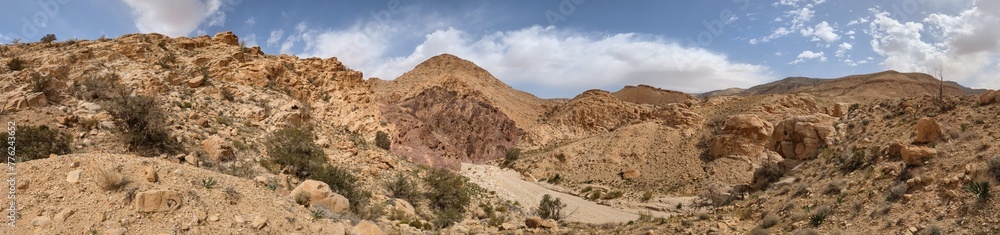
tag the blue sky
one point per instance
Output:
(560, 48)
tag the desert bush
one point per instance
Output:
(993, 166)
(48, 38)
(111, 180)
(896, 192)
(294, 149)
(493, 219)
(767, 174)
(228, 95)
(551, 208)
(301, 198)
(96, 88)
(979, 189)
(769, 220)
(554, 180)
(209, 183)
(448, 196)
(401, 187)
(143, 122)
(759, 231)
(382, 140)
(510, 157)
(39, 83)
(648, 195)
(36, 142)
(833, 188)
(16, 64)
(819, 215)
(613, 195)
(930, 230)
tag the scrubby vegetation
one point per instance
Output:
(111, 180)
(403, 188)
(293, 150)
(143, 123)
(382, 140)
(449, 194)
(343, 182)
(48, 38)
(16, 64)
(36, 142)
(551, 208)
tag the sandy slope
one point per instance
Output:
(508, 185)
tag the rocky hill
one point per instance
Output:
(147, 134)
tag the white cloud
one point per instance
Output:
(250, 22)
(251, 40)
(843, 48)
(965, 46)
(823, 31)
(275, 37)
(175, 17)
(547, 60)
(800, 17)
(808, 55)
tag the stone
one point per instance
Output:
(507, 226)
(989, 97)
(630, 174)
(218, 149)
(227, 37)
(74, 176)
(196, 81)
(549, 224)
(928, 131)
(799, 138)
(315, 189)
(92, 107)
(115, 231)
(365, 227)
(742, 135)
(191, 159)
(40, 221)
(258, 222)
(405, 207)
(335, 203)
(213, 218)
(64, 214)
(157, 201)
(838, 110)
(151, 174)
(916, 155)
(533, 222)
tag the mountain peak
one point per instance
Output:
(449, 62)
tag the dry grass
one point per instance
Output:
(111, 180)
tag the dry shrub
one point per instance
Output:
(111, 180)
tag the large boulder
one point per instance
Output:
(916, 155)
(218, 149)
(989, 97)
(157, 201)
(800, 138)
(742, 135)
(320, 195)
(402, 206)
(928, 131)
(227, 37)
(365, 227)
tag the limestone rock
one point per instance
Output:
(218, 149)
(151, 174)
(227, 37)
(74, 176)
(40, 221)
(533, 222)
(157, 201)
(916, 155)
(928, 131)
(64, 214)
(630, 174)
(196, 81)
(320, 195)
(507, 226)
(743, 134)
(800, 137)
(335, 203)
(365, 227)
(404, 207)
(989, 97)
(258, 222)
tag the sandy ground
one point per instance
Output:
(509, 185)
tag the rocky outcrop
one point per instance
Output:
(227, 37)
(218, 149)
(917, 155)
(320, 195)
(441, 128)
(743, 135)
(645, 94)
(989, 97)
(927, 131)
(800, 138)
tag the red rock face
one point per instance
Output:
(440, 128)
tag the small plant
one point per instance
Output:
(16, 64)
(401, 187)
(37, 142)
(767, 174)
(769, 220)
(555, 179)
(302, 198)
(228, 95)
(382, 140)
(613, 195)
(209, 183)
(319, 213)
(648, 195)
(111, 180)
(510, 157)
(551, 208)
(819, 215)
(448, 195)
(979, 189)
(294, 149)
(897, 192)
(232, 196)
(143, 122)
(48, 38)
(993, 166)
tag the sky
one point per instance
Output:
(560, 48)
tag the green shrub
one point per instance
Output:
(96, 88)
(613, 195)
(510, 157)
(382, 140)
(551, 208)
(209, 183)
(981, 190)
(401, 187)
(294, 149)
(555, 179)
(448, 196)
(819, 215)
(16, 64)
(48, 38)
(143, 122)
(36, 142)
(648, 195)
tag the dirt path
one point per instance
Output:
(509, 185)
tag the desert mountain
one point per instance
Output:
(645, 94)
(887, 84)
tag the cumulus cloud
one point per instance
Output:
(808, 55)
(275, 37)
(822, 32)
(967, 48)
(175, 17)
(547, 61)
(843, 48)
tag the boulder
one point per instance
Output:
(74, 176)
(630, 174)
(989, 97)
(320, 195)
(838, 110)
(258, 222)
(404, 207)
(218, 149)
(365, 227)
(151, 174)
(533, 222)
(742, 135)
(928, 131)
(196, 81)
(334, 203)
(40, 221)
(916, 155)
(227, 37)
(64, 214)
(157, 201)
(800, 138)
